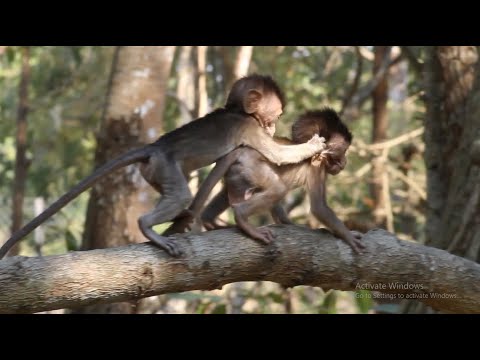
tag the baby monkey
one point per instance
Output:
(254, 104)
(254, 185)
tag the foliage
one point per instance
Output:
(66, 96)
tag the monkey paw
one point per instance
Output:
(178, 227)
(318, 141)
(317, 160)
(356, 244)
(356, 234)
(166, 244)
(264, 235)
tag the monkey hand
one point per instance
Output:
(317, 160)
(353, 239)
(318, 142)
(356, 234)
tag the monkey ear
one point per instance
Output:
(251, 102)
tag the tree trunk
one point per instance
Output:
(201, 93)
(186, 83)
(228, 66)
(235, 68)
(379, 134)
(242, 61)
(21, 162)
(132, 117)
(452, 128)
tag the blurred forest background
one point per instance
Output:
(413, 167)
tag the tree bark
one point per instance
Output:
(186, 83)
(242, 61)
(298, 256)
(452, 127)
(235, 66)
(21, 162)
(201, 93)
(132, 117)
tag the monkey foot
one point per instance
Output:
(166, 244)
(180, 225)
(356, 244)
(213, 225)
(185, 215)
(264, 235)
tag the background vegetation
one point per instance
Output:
(60, 101)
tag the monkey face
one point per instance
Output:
(336, 160)
(270, 111)
(333, 167)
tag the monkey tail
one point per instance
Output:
(128, 158)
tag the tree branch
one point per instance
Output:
(365, 92)
(298, 256)
(390, 143)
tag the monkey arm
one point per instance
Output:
(214, 208)
(282, 154)
(280, 215)
(320, 209)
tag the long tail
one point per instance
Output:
(128, 158)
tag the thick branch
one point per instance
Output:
(299, 256)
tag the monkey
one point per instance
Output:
(253, 184)
(253, 105)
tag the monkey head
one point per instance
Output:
(335, 159)
(260, 97)
(325, 122)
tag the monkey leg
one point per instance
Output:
(180, 224)
(217, 206)
(176, 197)
(256, 203)
(279, 215)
